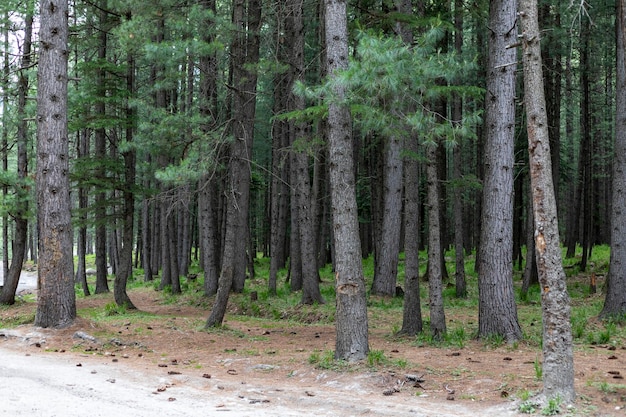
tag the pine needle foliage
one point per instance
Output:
(391, 86)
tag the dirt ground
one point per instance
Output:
(473, 380)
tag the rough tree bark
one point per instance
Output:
(558, 364)
(294, 28)
(207, 220)
(56, 301)
(125, 270)
(615, 299)
(164, 240)
(457, 115)
(435, 274)
(20, 238)
(584, 194)
(146, 234)
(82, 151)
(497, 312)
(246, 14)
(6, 69)
(279, 186)
(352, 341)
(386, 268)
(245, 74)
(530, 271)
(412, 311)
(208, 235)
(102, 284)
(412, 323)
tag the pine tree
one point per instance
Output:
(56, 302)
(615, 300)
(351, 317)
(21, 213)
(558, 360)
(497, 310)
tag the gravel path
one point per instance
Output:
(28, 280)
(48, 384)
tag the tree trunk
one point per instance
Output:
(412, 311)
(279, 186)
(208, 234)
(82, 151)
(207, 220)
(435, 275)
(246, 58)
(615, 299)
(185, 217)
(388, 250)
(571, 225)
(585, 166)
(459, 230)
(279, 201)
(164, 240)
(310, 275)
(441, 106)
(518, 209)
(238, 181)
(558, 364)
(551, 58)
(530, 272)
(174, 249)
(373, 164)
(457, 116)
(155, 236)
(56, 302)
(320, 195)
(102, 284)
(497, 313)
(20, 238)
(301, 146)
(32, 245)
(146, 235)
(125, 270)
(295, 248)
(6, 68)
(351, 341)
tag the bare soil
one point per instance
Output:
(272, 358)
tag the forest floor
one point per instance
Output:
(275, 366)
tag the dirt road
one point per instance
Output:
(47, 384)
(27, 282)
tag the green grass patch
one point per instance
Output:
(16, 319)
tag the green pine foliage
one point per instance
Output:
(391, 86)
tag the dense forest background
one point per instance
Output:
(180, 111)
